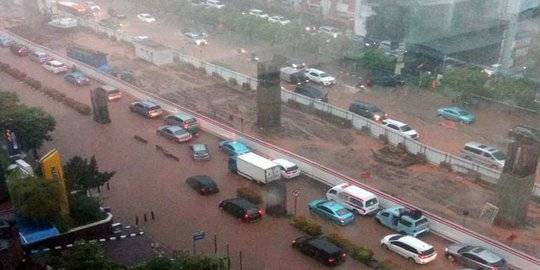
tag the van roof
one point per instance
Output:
(482, 146)
(258, 160)
(395, 122)
(416, 243)
(355, 191)
(285, 163)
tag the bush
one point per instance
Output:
(15, 73)
(82, 108)
(217, 76)
(246, 86)
(249, 194)
(363, 255)
(421, 157)
(306, 225)
(33, 83)
(85, 209)
(4, 66)
(365, 129)
(202, 70)
(233, 81)
(342, 242)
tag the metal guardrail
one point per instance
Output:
(444, 228)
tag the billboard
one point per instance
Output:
(51, 166)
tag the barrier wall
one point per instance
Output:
(440, 226)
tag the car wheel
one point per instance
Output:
(411, 260)
(450, 258)
(384, 246)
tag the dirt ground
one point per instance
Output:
(346, 150)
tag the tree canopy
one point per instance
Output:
(84, 174)
(35, 198)
(31, 125)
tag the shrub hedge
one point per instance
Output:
(306, 225)
(249, 194)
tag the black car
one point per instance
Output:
(200, 151)
(146, 108)
(202, 184)
(242, 209)
(115, 14)
(320, 248)
(367, 110)
(312, 91)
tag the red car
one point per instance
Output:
(19, 49)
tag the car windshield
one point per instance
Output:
(427, 252)
(371, 202)
(499, 155)
(421, 222)
(323, 75)
(153, 108)
(499, 263)
(292, 168)
(406, 128)
(180, 132)
(342, 212)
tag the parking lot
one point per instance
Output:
(146, 181)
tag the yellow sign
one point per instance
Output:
(51, 166)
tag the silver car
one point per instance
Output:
(475, 257)
(176, 133)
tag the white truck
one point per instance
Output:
(255, 167)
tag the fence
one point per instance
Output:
(439, 225)
(433, 156)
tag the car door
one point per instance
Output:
(453, 115)
(472, 260)
(403, 249)
(325, 212)
(139, 108)
(167, 133)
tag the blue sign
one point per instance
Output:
(198, 236)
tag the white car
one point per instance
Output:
(330, 31)
(196, 38)
(258, 13)
(288, 169)
(279, 19)
(320, 77)
(413, 249)
(140, 38)
(55, 66)
(402, 128)
(145, 17)
(214, 4)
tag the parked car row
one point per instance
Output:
(47, 62)
(273, 19)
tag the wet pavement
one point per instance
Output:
(146, 181)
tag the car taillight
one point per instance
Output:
(493, 268)
(261, 212)
(377, 117)
(331, 260)
(344, 255)
(246, 216)
(186, 125)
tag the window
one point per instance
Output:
(393, 126)
(385, 214)
(405, 223)
(473, 150)
(356, 202)
(325, 209)
(332, 191)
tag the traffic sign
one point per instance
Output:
(198, 236)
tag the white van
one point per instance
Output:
(484, 154)
(288, 169)
(354, 198)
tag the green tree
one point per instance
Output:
(31, 125)
(375, 59)
(518, 90)
(35, 198)
(85, 209)
(84, 256)
(83, 174)
(185, 263)
(466, 81)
